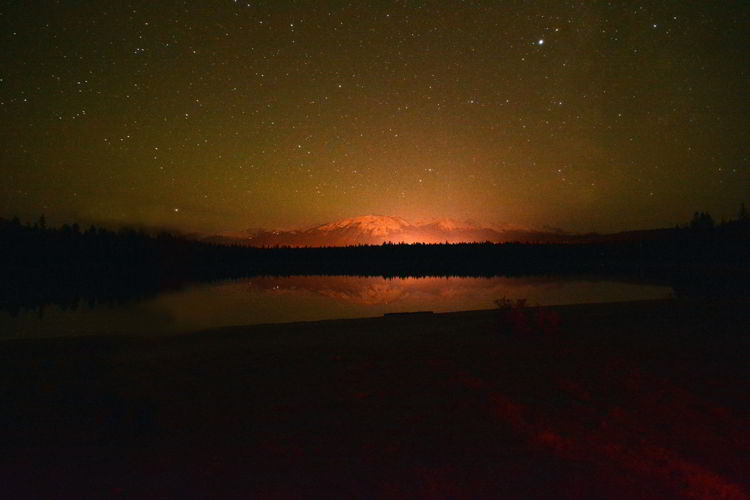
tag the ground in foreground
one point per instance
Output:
(638, 400)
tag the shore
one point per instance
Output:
(627, 400)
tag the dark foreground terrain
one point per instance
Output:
(638, 400)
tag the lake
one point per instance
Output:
(310, 298)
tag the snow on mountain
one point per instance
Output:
(375, 225)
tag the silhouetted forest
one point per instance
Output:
(68, 265)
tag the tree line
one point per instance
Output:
(66, 265)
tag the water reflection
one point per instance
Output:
(451, 293)
(308, 298)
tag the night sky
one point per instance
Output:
(226, 115)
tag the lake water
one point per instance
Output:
(308, 298)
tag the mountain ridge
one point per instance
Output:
(379, 229)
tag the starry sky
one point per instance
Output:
(225, 115)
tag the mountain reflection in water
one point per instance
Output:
(448, 293)
(311, 298)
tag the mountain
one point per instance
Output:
(371, 225)
(378, 229)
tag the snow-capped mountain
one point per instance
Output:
(378, 229)
(373, 225)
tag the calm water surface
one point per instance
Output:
(307, 298)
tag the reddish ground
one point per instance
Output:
(639, 400)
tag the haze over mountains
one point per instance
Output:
(379, 229)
